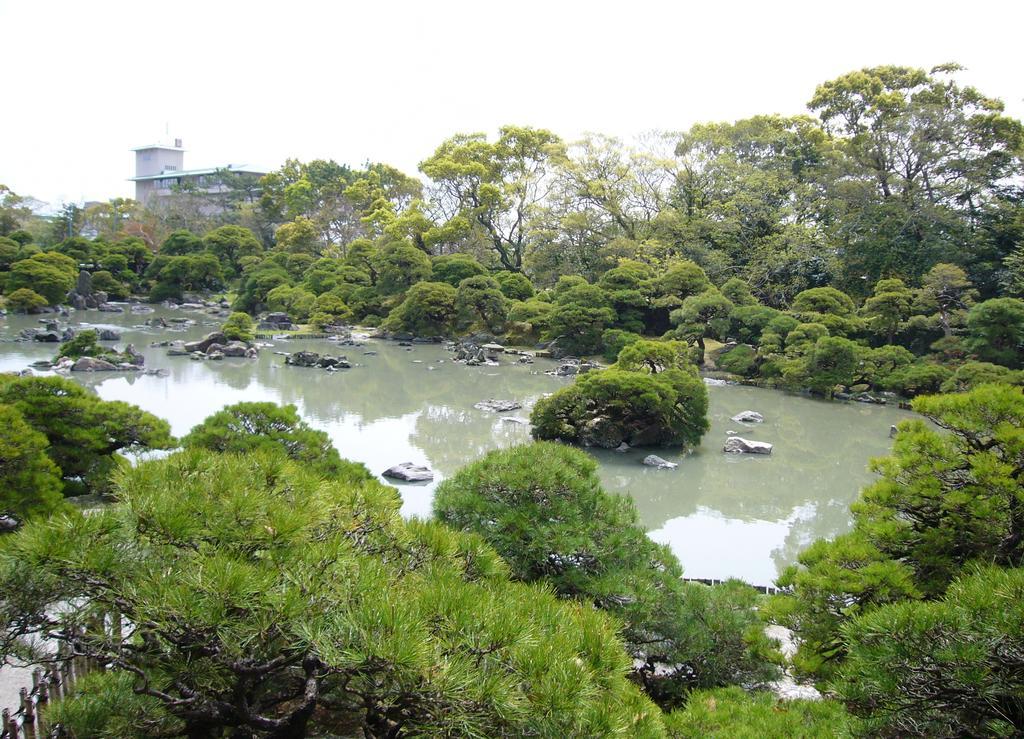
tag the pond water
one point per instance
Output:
(724, 515)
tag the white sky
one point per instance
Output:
(256, 82)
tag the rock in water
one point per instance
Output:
(409, 472)
(109, 334)
(92, 364)
(622, 448)
(748, 417)
(739, 445)
(498, 406)
(653, 460)
(216, 337)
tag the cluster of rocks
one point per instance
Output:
(83, 297)
(572, 366)
(275, 322)
(474, 354)
(409, 472)
(862, 396)
(497, 406)
(51, 333)
(212, 346)
(739, 445)
(312, 359)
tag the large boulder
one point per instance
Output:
(748, 417)
(653, 460)
(302, 359)
(214, 337)
(235, 349)
(276, 322)
(739, 445)
(409, 472)
(92, 364)
(108, 334)
(134, 356)
(51, 337)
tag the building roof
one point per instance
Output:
(158, 146)
(241, 168)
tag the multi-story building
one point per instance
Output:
(159, 169)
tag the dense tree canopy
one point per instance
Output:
(318, 611)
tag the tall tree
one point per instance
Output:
(496, 187)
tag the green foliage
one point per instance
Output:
(514, 285)
(454, 268)
(479, 301)
(238, 327)
(542, 507)
(950, 668)
(580, 315)
(24, 300)
(945, 499)
(248, 427)
(330, 308)
(251, 578)
(834, 582)
(972, 374)
(995, 331)
(833, 361)
(83, 344)
(106, 282)
(428, 310)
(400, 266)
(614, 340)
(231, 244)
(738, 292)
(740, 360)
(654, 357)
(733, 713)
(533, 311)
(294, 301)
(612, 406)
(823, 300)
(888, 308)
(86, 434)
(749, 322)
(677, 282)
(706, 314)
(30, 483)
(49, 274)
(917, 379)
(181, 243)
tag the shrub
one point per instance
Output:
(917, 379)
(24, 300)
(949, 668)
(613, 406)
(614, 340)
(740, 360)
(428, 310)
(238, 327)
(30, 483)
(251, 578)
(972, 374)
(995, 331)
(734, 713)
(580, 315)
(542, 507)
(248, 427)
(514, 285)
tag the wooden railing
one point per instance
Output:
(52, 683)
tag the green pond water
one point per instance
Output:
(723, 515)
